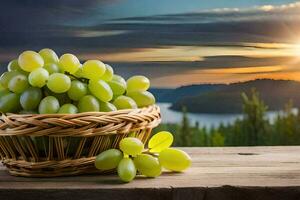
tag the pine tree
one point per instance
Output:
(254, 123)
(186, 134)
(217, 139)
(286, 131)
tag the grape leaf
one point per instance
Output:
(160, 141)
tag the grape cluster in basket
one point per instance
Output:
(45, 84)
(133, 158)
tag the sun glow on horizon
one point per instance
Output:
(243, 70)
(297, 48)
(197, 53)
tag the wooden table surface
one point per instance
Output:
(216, 173)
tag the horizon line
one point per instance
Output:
(230, 83)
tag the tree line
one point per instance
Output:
(252, 129)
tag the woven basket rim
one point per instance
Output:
(80, 124)
(123, 111)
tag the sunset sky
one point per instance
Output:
(173, 42)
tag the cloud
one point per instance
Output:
(243, 70)
(159, 46)
(258, 13)
(124, 37)
(34, 27)
(279, 8)
(168, 68)
(28, 15)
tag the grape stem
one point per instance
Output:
(84, 80)
(150, 153)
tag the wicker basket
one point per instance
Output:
(63, 145)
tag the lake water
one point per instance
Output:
(204, 119)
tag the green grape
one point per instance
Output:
(160, 141)
(52, 68)
(30, 60)
(49, 105)
(9, 102)
(142, 99)
(108, 159)
(1, 87)
(77, 90)
(38, 77)
(101, 90)
(123, 102)
(63, 98)
(31, 98)
(147, 165)
(109, 72)
(88, 103)
(126, 170)
(6, 76)
(118, 85)
(115, 97)
(174, 159)
(49, 56)
(59, 83)
(107, 107)
(18, 84)
(68, 109)
(131, 146)
(93, 69)
(13, 66)
(4, 91)
(79, 73)
(69, 63)
(138, 83)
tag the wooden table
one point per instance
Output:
(217, 173)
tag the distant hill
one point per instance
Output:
(173, 95)
(161, 94)
(227, 98)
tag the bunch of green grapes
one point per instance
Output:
(133, 158)
(43, 83)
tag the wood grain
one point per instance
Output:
(216, 173)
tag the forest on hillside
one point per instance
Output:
(225, 98)
(253, 129)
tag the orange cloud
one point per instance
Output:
(242, 70)
(195, 53)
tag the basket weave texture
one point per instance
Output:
(49, 145)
